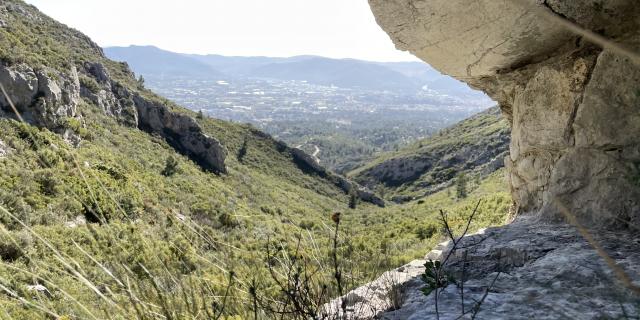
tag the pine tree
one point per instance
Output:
(353, 199)
(243, 150)
(170, 167)
(461, 186)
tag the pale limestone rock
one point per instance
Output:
(573, 106)
(39, 289)
(4, 149)
(78, 221)
(20, 84)
(43, 97)
(113, 98)
(373, 299)
(182, 132)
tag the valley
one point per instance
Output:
(353, 121)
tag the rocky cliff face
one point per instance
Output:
(44, 97)
(573, 106)
(49, 98)
(182, 132)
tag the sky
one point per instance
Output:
(281, 28)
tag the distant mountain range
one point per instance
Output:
(347, 73)
(157, 62)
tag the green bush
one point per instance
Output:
(426, 231)
(12, 246)
(434, 277)
(170, 167)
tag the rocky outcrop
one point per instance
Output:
(526, 270)
(49, 98)
(44, 97)
(373, 299)
(131, 108)
(572, 104)
(110, 96)
(182, 132)
(309, 163)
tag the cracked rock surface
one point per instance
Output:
(541, 271)
(527, 269)
(573, 106)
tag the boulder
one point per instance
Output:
(20, 84)
(572, 105)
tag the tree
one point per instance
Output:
(170, 167)
(353, 199)
(200, 115)
(461, 186)
(141, 80)
(243, 150)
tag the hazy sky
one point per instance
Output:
(333, 28)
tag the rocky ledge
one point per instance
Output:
(525, 270)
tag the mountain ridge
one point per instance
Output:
(348, 72)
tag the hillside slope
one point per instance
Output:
(475, 146)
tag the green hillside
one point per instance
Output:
(474, 147)
(101, 218)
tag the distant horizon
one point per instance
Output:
(260, 56)
(334, 29)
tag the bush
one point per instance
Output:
(228, 220)
(90, 83)
(170, 167)
(307, 224)
(426, 231)
(353, 200)
(434, 277)
(12, 247)
(49, 183)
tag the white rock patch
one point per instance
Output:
(4, 149)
